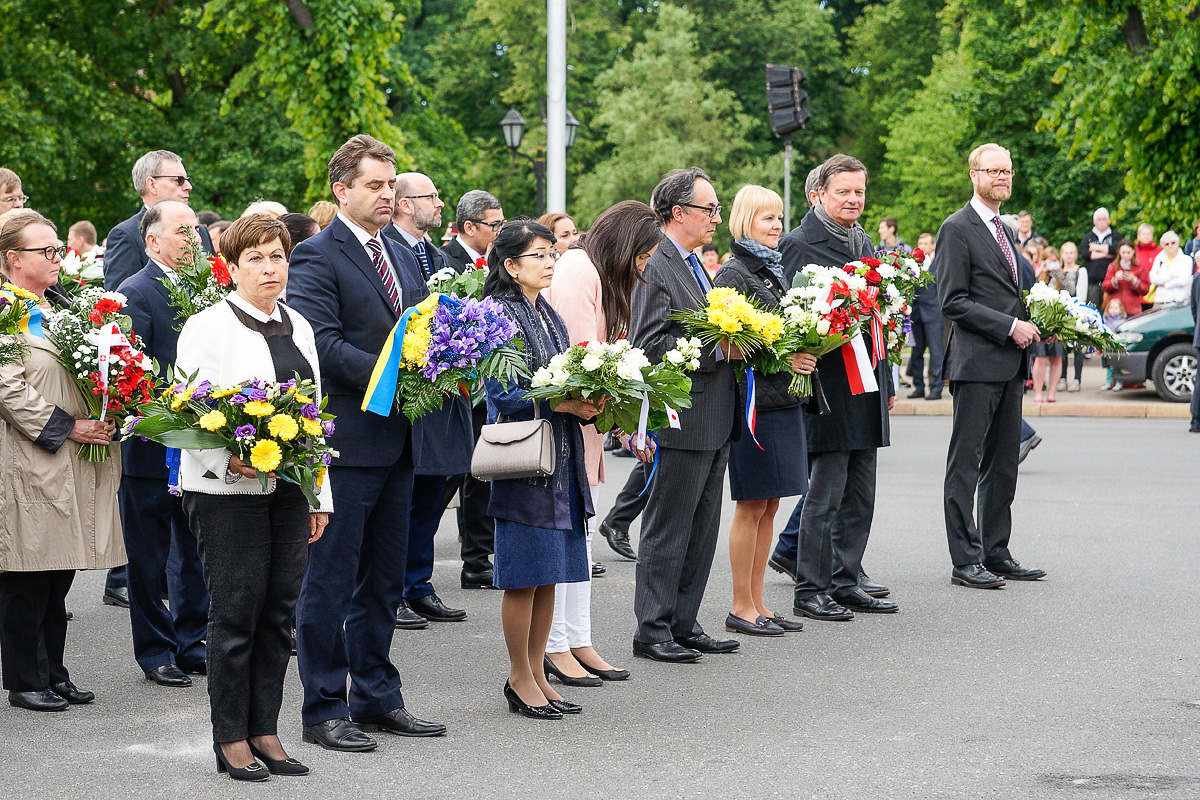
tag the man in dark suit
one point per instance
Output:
(927, 330)
(679, 533)
(979, 287)
(1195, 301)
(478, 218)
(352, 285)
(158, 174)
(167, 644)
(843, 444)
(447, 438)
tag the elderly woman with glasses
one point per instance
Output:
(58, 512)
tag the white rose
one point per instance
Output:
(560, 377)
(628, 372)
(597, 348)
(558, 362)
(674, 357)
(541, 378)
(591, 362)
(823, 327)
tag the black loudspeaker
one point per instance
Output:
(786, 101)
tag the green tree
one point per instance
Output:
(658, 112)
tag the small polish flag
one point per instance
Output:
(672, 416)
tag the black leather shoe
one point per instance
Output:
(401, 723)
(73, 694)
(760, 627)
(916, 394)
(283, 766)
(822, 607)
(1027, 446)
(604, 674)
(476, 580)
(433, 609)
(707, 644)
(669, 652)
(518, 706)
(858, 600)
(934, 396)
(340, 735)
(1193, 428)
(70, 616)
(1013, 570)
(780, 564)
(871, 587)
(788, 625)
(44, 700)
(568, 680)
(253, 771)
(168, 675)
(409, 620)
(565, 707)
(974, 576)
(116, 596)
(194, 669)
(618, 541)
(598, 569)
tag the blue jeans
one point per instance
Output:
(1027, 431)
(789, 538)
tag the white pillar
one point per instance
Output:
(556, 106)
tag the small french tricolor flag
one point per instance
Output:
(858, 367)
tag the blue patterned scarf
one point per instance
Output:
(769, 256)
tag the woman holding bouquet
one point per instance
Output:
(253, 541)
(58, 511)
(541, 523)
(591, 290)
(759, 476)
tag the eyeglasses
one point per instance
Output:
(711, 211)
(48, 251)
(16, 200)
(180, 180)
(554, 254)
(434, 196)
(998, 173)
(495, 226)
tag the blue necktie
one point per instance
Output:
(698, 271)
(423, 257)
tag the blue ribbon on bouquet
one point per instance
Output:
(173, 471)
(653, 465)
(751, 406)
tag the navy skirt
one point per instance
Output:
(527, 556)
(780, 468)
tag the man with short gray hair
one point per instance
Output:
(157, 174)
(478, 218)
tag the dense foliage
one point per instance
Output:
(1094, 97)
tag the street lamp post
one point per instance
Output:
(513, 128)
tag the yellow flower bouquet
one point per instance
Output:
(729, 316)
(276, 428)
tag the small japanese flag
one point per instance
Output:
(672, 416)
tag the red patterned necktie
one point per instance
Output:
(385, 273)
(1002, 240)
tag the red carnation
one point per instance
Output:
(220, 270)
(871, 262)
(918, 256)
(104, 306)
(481, 263)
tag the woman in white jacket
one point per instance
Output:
(1171, 272)
(253, 542)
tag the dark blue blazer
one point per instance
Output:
(125, 252)
(448, 439)
(148, 305)
(458, 257)
(926, 308)
(333, 284)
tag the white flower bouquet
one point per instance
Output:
(1067, 319)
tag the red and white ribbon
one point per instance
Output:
(859, 372)
(105, 339)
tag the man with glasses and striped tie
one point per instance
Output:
(979, 288)
(448, 439)
(352, 285)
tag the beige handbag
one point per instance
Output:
(509, 450)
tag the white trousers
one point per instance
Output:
(572, 626)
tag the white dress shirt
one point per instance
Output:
(255, 313)
(470, 251)
(363, 237)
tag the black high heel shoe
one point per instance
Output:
(518, 706)
(604, 674)
(567, 680)
(286, 766)
(252, 772)
(563, 707)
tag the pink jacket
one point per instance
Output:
(575, 294)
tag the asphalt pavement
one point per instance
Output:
(1085, 684)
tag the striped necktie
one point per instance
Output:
(423, 257)
(1002, 240)
(385, 272)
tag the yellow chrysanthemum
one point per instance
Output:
(212, 421)
(415, 350)
(180, 400)
(219, 393)
(266, 455)
(281, 426)
(257, 408)
(770, 326)
(311, 426)
(24, 294)
(320, 476)
(303, 399)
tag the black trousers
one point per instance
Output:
(836, 521)
(33, 628)
(628, 505)
(985, 445)
(475, 528)
(254, 550)
(927, 335)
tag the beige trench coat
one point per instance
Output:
(57, 511)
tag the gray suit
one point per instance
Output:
(679, 531)
(986, 371)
